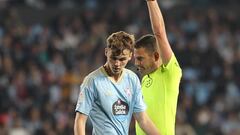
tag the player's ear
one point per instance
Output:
(106, 51)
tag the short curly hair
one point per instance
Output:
(119, 41)
(148, 42)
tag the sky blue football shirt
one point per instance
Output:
(110, 104)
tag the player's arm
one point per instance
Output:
(159, 30)
(80, 123)
(146, 124)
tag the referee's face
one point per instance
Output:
(144, 61)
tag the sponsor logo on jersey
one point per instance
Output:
(120, 107)
(108, 93)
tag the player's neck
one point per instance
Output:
(111, 74)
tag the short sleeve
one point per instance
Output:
(85, 99)
(173, 63)
(139, 105)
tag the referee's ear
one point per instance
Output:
(156, 56)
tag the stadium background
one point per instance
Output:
(48, 46)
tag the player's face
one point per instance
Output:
(144, 61)
(115, 62)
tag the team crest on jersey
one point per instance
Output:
(120, 107)
(147, 82)
(128, 92)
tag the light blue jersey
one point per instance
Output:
(110, 104)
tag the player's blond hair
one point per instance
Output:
(120, 41)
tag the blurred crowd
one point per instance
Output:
(43, 64)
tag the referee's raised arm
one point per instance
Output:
(159, 30)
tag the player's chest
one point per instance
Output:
(118, 97)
